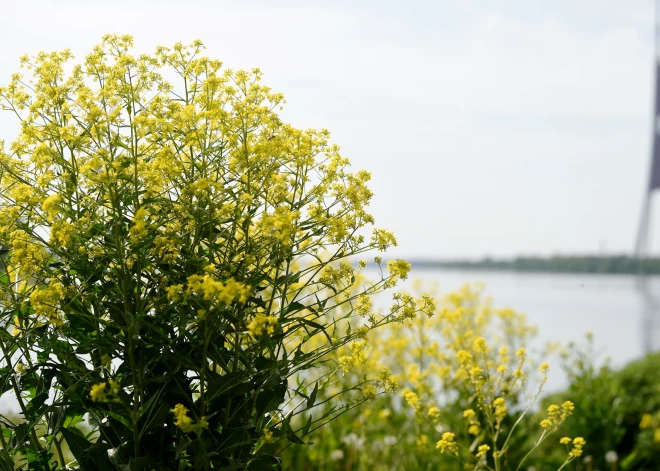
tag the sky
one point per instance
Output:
(490, 128)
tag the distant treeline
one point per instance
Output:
(623, 264)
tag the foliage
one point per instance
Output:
(462, 403)
(171, 248)
(618, 412)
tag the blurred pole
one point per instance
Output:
(642, 246)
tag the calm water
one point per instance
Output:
(566, 306)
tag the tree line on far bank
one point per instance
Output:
(621, 264)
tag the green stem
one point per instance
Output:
(19, 398)
(58, 447)
(568, 460)
(532, 450)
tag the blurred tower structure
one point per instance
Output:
(650, 321)
(642, 247)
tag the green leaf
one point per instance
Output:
(265, 462)
(119, 418)
(6, 463)
(77, 443)
(316, 325)
(308, 424)
(97, 455)
(312, 397)
(146, 407)
(140, 464)
(294, 307)
(33, 407)
(290, 434)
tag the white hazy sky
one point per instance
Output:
(490, 127)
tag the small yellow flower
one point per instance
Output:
(398, 268)
(103, 392)
(447, 443)
(480, 345)
(267, 435)
(482, 450)
(260, 325)
(646, 422)
(369, 392)
(182, 420)
(579, 441)
(578, 444)
(565, 440)
(474, 429)
(412, 399)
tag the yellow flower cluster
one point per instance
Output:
(51, 206)
(364, 305)
(399, 269)
(474, 426)
(500, 410)
(482, 450)
(45, 302)
(217, 292)
(404, 306)
(185, 423)
(383, 239)
(557, 415)
(650, 422)
(140, 224)
(267, 436)
(412, 399)
(282, 225)
(369, 392)
(578, 444)
(26, 253)
(447, 443)
(261, 324)
(62, 234)
(387, 381)
(357, 356)
(103, 392)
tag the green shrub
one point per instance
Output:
(609, 408)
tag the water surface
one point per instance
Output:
(621, 315)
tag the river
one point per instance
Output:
(620, 315)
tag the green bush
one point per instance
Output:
(609, 408)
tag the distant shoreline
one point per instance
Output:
(615, 264)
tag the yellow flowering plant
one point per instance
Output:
(173, 255)
(464, 396)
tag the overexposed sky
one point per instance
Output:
(490, 127)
